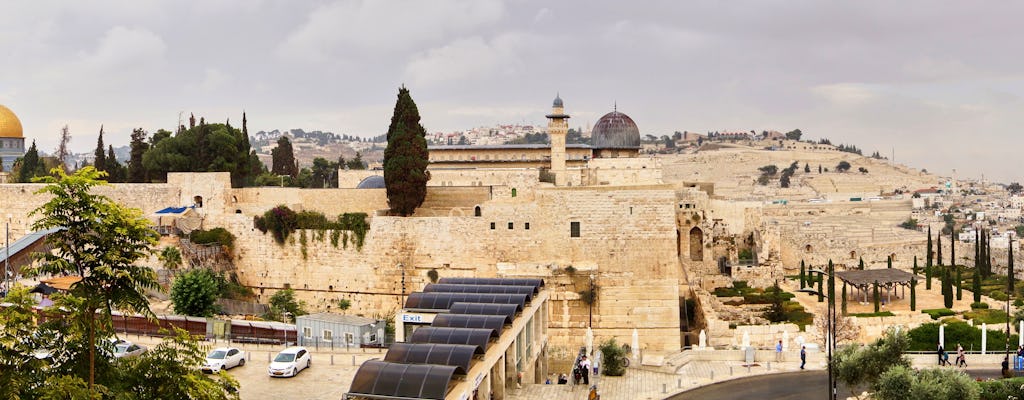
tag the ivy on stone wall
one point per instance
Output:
(282, 222)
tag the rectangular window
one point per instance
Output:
(509, 225)
(492, 226)
(527, 226)
(349, 339)
(574, 229)
(328, 335)
(307, 332)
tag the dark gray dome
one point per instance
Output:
(372, 182)
(558, 101)
(615, 130)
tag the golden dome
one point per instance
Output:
(10, 126)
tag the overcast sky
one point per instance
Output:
(938, 82)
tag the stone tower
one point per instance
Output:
(558, 127)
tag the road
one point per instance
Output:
(787, 386)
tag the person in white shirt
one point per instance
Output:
(585, 369)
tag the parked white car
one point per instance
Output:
(125, 348)
(223, 358)
(290, 361)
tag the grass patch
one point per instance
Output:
(988, 316)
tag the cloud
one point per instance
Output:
(125, 48)
(470, 59)
(845, 93)
(383, 27)
(213, 80)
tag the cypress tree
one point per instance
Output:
(959, 286)
(927, 278)
(31, 165)
(977, 250)
(821, 293)
(802, 274)
(938, 249)
(876, 297)
(1010, 276)
(844, 298)
(136, 171)
(831, 283)
(861, 265)
(99, 155)
(952, 248)
(405, 158)
(914, 269)
(115, 172)
(283, 158)
(947, 289)
(913, 294)
(928, 260)
(976, 285)
(984, 255)
(888, 262)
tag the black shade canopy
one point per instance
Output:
(456, 355)
(43, 288)
(506, 310)
(535, 282)
(474, 337)
(443, 301)
(383, 380)
(494, 322)
(492, 289)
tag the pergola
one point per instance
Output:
(887, 278)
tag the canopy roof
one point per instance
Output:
(495, 322)
(444, 300)
(456, 355)
(884, 276)
(535, 282)
(173, 210)
(386, 380)
(492, 289)
(478, 338)
(506, 310)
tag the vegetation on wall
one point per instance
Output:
(213, 236)
(281, 221)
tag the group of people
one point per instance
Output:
(961, 358)
(581, 374)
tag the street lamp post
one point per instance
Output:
(590, 323)
(830, 323)
(7, 257)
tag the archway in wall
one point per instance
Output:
(679, 243)
(696, 244)
(808, 248)
(476, 211)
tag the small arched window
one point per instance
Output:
(513, 192)
(808, 248)
(476, 211)
(198, 201)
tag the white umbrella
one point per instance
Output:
(703, 343)
(746, 339)
(636, 344)
(942, 335)
(984, 337)
(785, 340)
(1020, 334)
(590, 341)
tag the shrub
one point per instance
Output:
(937, 313)
(986, 316)
(432, 274)
(194, 293)
(979, 304)
(1002, 388)
(998, 295)
(213, 236)
(612, 356)
(923, 338)
(282, 221)
(876, 314)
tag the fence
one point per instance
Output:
(260, 332)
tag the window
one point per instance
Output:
(526, 226)
(328, 335)
(198, 201)
(373, 337)
(574, 229)
(492, 226)
(509, 225)
(476, 211)
(307, 332)
(349, 339)
(513, 192)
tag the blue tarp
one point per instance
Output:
(173, 210)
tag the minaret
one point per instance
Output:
(558, 127)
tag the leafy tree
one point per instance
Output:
(769, 170)
(136, 169)
(202, 148)
(843, 166)
(195, 292)
(99, 241)
(356, 163)
(405, 158)
(99, 156)
(323, 173)
(20, 371)
(794, 134)
(807, 168)
(31, 166)
(858, 366)
(171, 372)
(344, 304)
(612, 356)
(62, 152)
(902, 382)
(1014, 188)
(284, 302)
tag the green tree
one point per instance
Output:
(136, 168)
(323, 173)
(99, 155)
(821, 293)
(913, 294)
(858, 366)
(902, 382)
(356, 163)
(976, 285)
(170, 370)
(20, 371)
(807, 168)
(861, 263)
(284, 302)
(794, 134)
(344, 304)
(844, 299)
(115, 171)
(928, 262)
(284, 158)
(405, 158)
(802, 274)
(202, 148)
(195, 292)
(31, 166)
(1010, 275)
(99, 241)
(843, 166)
(612, 357)
(171, 257)
(959, 285)
(947, 288)
(875, 296)
(914, 268)
(888, 262)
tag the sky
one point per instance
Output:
(938, 84)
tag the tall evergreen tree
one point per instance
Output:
(913, 294)
(115, 171)
(876, 297)
(952, 248)
(861, 264)
(888, 262)
(802, 274)
(284, 158)
(821, 293)
(100, 155)
(928, 259)
(31, 165)
(844, 298)
(977, 250)
(405, 158)
(914, 269)
(947, 288)
(959, 285)
(985, 272)
(976, 285)
(136, 170)
(938, 248)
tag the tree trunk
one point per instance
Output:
(92, 350)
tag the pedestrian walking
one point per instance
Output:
(778, 352)
(961, 357)
(585, 370)
(941, 352)
(803, 356)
